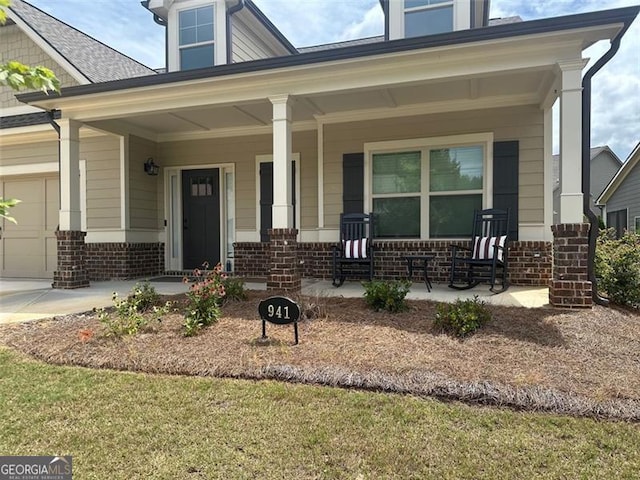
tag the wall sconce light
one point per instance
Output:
(150, 167)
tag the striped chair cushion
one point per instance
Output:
(355, 248)
(483, 247)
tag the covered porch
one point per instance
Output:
(267, 141)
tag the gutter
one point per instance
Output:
(586, 161)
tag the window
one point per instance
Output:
(427, 192)
(618, 221)
(427, 17)
(637, 224)
(196, 38)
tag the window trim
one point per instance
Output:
(219, 32)
(461, 17)
(424, 145)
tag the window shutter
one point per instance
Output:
(353, 183)
(505, 181)
(266, 199)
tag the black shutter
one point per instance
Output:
(266, 199)
(353, 183)
(505, 181)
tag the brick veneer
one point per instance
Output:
(529, 261)
(284, 272)
(108, 261)
(71, 271)
(570, 286)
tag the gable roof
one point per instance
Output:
(582, 22)
(616, 181)
(87, 59)
(594, 152)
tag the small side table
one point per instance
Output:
(422, 263)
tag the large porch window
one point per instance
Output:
(428, 192)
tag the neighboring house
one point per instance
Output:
(621, 197)
(604, 165)
(248, 150)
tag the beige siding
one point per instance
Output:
(246, 44)
(102, 155)
(16, 45)
(27, 154)
(242, 152)
(144, 190)
(515, 123)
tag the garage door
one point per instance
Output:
(29, 248)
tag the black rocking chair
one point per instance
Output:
(488, 258)
(353, 256)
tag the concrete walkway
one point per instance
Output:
(23, 299)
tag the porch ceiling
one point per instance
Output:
(508, 88)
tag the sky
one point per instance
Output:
(129, 28)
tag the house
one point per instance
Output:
(603, 164)
(247, 149)
(620, 200)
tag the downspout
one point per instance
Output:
(52, 115)
(236, 8)
(586, 162)
(163, 23)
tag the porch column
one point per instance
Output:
(282, 194)
(284, 274)
(571, 141)
(71, 271)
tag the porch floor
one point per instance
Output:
(530, 297)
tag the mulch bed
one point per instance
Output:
(575, 362)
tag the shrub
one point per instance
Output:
(234, 289)
(387, 295)
(134, 312)
(205, 297)
(617, 267)
(462, 317)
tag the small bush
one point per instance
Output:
(462, 317)
(234, 289)
(617, 267)
(205, 297)
(386, 295)
(135, 312)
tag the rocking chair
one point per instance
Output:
(487, 260)
(353, 256)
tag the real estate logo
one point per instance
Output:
(35, 468)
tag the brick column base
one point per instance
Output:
(284, 273)
(72, 271)
(570, 286)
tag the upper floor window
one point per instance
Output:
(426, 17)
(196, 38)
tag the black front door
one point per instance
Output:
(200, 217)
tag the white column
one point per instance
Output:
(282, 195)
(571, 141)
(69, 175)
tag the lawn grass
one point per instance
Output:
(125, 425)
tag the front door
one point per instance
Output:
(200, 217)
